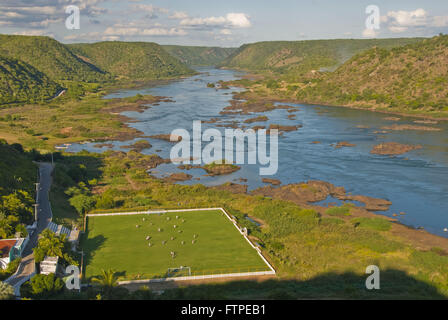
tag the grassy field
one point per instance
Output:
(116, 242)
(315, 254)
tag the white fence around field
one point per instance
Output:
(198, 277)
(201, 277)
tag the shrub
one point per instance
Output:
(272, 84)
(106, 201)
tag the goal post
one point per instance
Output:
(179, 272)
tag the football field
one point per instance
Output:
(146, 246)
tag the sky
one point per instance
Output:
(225, 23)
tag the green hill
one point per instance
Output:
(299, 57)
(199, 56)
(408, 78)
(50, 57)
(20, 82)
(17, 176)
(132, 60)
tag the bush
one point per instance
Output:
(82, 203)
(106, 201)
(272, 84)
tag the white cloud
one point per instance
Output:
(440, 21)
(210, 21)
(231, 20)
(36, 10)
(239, 20)
(417, 17)
(401, 21)
(178, 15)
(129, 31)
(396, 29)
(12, 14)
(370, 33)
(45, 23)
(110, 38)
(226, 32)
(33, 33)
(42, 14)
(149, 9)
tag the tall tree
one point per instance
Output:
(6, 291)
(108, 280)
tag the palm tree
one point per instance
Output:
(49, 245)
(108, 280)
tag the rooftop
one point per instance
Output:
(5, 246)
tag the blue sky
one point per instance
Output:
(222, 23)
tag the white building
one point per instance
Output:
(49, 265)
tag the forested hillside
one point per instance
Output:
(50, 57)
(296, 58)
(21, 82)
(17, 176)
(199, 56)
(132, 60)
(412, 77)
(34, 69)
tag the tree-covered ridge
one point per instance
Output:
(299, 57)
(199, 56)
(132, 60)
(17, 177)
(412, 77)
(20, 82)
(50, 57)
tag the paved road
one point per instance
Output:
(44, 215)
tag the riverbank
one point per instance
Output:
(257, 90)
(92, 119)
(302, 242)
(379, 176)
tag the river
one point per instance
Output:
(416, 182)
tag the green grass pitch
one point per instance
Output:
(114, 242)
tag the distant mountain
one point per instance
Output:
(21, 82)
(199, 56)
(412, 77)
(50, 57)
(299, 57)
(132, 60)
